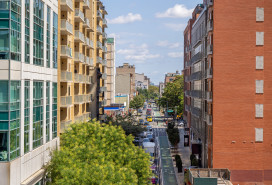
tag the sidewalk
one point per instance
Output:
(184, 153)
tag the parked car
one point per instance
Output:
(149, 118)
(150, 136)
(146, 140)
(140, 110)
(141, 121)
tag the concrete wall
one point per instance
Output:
(122, 84)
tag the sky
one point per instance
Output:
(149, 34)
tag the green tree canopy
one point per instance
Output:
(173, 94)
(94, 153)
(151, 93)
(137, 102)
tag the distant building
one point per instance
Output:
(110, 71)
(146, 82)
(128, 71)
(169, 77)
(140, 81)
(124, 100)
(161, 88)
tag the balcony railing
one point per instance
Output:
(105, 49)
(79, 57)
(104, 62)
(196, 93)
(196, 58)
(64, 125)
(99, 14)
(65, 101)
(83, 117)
(66, 51)
(79, 99)
(86, 4)
(98, 60)
(66, 76)
(79, 14)
(105, 22)
(210, 49)
(99, 44)
(104, 35)
(209, 73)
(79, 36)
(99, 29)
(86, 23)
(66, 27)
(196, 111)
(196, 76)
(210, 2)
(79, 78)
(67, 4)
(104, 76)
(103, 89)
(210, 25)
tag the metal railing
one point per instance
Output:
(98, 60)
(64, 125)
(66, 26)
(209, 73)
(210, 49)
(210, 25)
(99, 14)
(196, 58)
(104, 76)
(105, 21)
(99, 29)
(69, 3)
(79, 35)
(80, 14)
(87, 22)
(209, 96)
(79, 78)
(79, 99)
(104, 35)
(196, 76)
(66, 51)
(99, 44)
(86, 3)
(65, 100)
(104, 62)
(105, 49)
(66, 76)
(79, 57)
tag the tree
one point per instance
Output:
(173, 94)
(137, 102)
(94, 153)
(173, 134)
(128, 123)
(151, 93)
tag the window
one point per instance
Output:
(55, 40)
(27, 13)
(54, 110)
(3, 146)
(258, 134)
(48, 37)
(259, 110)
(197, 67)
(38, 33)
(259, 62)
(14, 119)
(259, 14)
(47, 110)
(259, 38)
(197, 85)
(27, 111)
(37, 113)
(15, 30)
(197, 103)
(259, 86)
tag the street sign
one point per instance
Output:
(170, 110)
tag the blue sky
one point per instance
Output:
(149, 33)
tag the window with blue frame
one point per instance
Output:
(26, 119)
(15, 30)
(47, 110)
(27, 24)
(54, 110)
(37, 114)
(48, 37)
(55, 40)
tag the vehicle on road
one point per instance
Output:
(149, 147)
(140, 110)
(148, 112)
(149, 128)
(146, 124)
(141, 121)
(146, 140)
(149, 118)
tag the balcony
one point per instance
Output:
(104, 62)
(209, 96)
(79, 57)
(88, 42)
(196, 76)
(104, 76)
(83, 117)
(196, 112)
(88, 79)
(79, 36)
(99, 60)
(66, 5)
(187, 93)
(105, 49)
(105, 23)
(79, 78)
(104, 35)
(66, 28)
(79, 15)
(86, 4)
(65, 101)
(64, 125)
(196, 58)
(103, 89)
(210, 3)
(86, 23)
(99, 30)
(208, 119)
(99, 45)
(65, 52)
(196, 93)
(209, 73)
(210, 49)
(99, 14)
(78, 99)
(66, 76)
(89, 98)
(210, 25)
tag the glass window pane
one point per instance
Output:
(4, 13)
(4, 116)
(3, 146)
(4, 125)
(4, 91)
(4, 23)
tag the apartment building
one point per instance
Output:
(140, 81)
(169, 77)
(29, 91)
(230, 114)
(110, 71)
(81, 71)
(129, 71)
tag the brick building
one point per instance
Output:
(227, 83)
(169, 77)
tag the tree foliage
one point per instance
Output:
(94, 153)
(128, 123)
(173, 94)
(151, 93)
(137, 102)
(173, 134)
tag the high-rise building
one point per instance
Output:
(81, 46)
(227, 88)
(29, 91)
(110, 71)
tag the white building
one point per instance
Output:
(28, 93)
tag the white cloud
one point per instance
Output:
(175, 54)
(125, 19)
(175, 27)
(178, 11)
(139, 54)
(165, 43)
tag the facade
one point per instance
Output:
(161, 88)
(169, 77)
(29, 92)
(128, 70)
(230, 112)
(81, 71)
(140, 81)
(123, 84)
(146, 82)
(110, 71)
